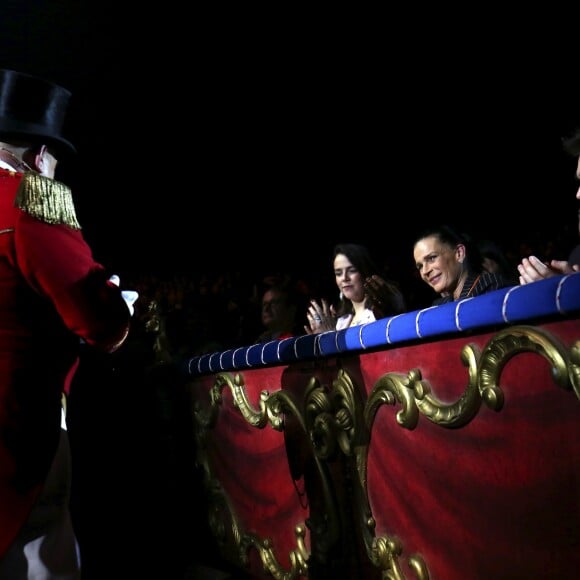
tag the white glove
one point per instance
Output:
(129, 296)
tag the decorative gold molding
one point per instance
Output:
(333, 418)
(416, 398)
(484, 369)
(511, 341)
(575, 367)
(271, 411)
(336, 420)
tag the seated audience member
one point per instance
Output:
(532, 268)
(494, 259)
(451, 264)
(364, 295)
(280, 304)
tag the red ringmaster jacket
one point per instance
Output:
(52, 293)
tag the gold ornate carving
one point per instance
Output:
(298, 566)
(575, 367)
(484, 369)
(337, 420)
(415, 397)
(223, 523)
(509, 342)
(333, 418)
(385, 552)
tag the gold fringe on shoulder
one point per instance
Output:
(47, 200)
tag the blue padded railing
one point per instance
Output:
(555, 297)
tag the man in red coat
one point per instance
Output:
(52, 295)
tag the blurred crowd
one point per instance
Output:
(205, 312)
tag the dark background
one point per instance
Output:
(258, 141)
(255, 142)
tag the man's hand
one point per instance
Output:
(533, 269)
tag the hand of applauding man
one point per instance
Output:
(532, 269)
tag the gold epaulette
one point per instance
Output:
(47, 200)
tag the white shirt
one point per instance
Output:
(345, 321)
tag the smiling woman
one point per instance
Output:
(364, 295)
(451, 264)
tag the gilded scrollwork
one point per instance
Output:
(268, 411)
(575, 367)
(319, 419)
(414, 395)
(332, 416)
(255, 417)
(385, 553)
(508, 343)
(298, 556)
(416, 398)
(223, 523)
(484, 369)
(395, 388)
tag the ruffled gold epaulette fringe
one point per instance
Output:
(47, 200)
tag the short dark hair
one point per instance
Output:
(449, 236)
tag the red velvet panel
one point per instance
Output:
(252, 467)
(498, 498)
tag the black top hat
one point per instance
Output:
(32, 107)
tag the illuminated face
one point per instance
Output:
(348, 279)
(439, 265)
(276, 313)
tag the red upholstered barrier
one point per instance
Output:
(498, 497)
(454, 458)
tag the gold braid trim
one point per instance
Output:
(47, 200)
